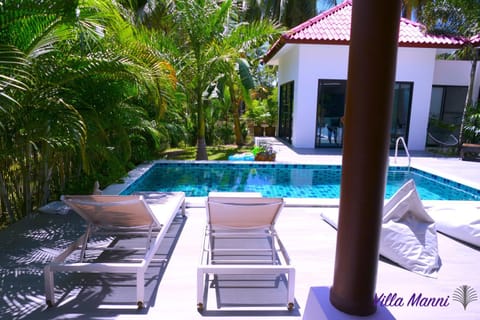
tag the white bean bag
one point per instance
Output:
(408, 235)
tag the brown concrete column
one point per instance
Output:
(370, 87)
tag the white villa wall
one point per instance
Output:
(451, 73)
(288, 69)
(456, 73)
(315, 62)
(305, 64)
(417, 65)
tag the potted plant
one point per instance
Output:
(270, 128)
(264, 152)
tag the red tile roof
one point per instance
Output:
(475, 40)
(333, 27)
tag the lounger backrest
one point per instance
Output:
(115, 211)
(243, 212)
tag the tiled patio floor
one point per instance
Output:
(310, 242)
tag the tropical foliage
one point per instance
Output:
(289, 13)
(215, 47)
(80, 99)
(460, 18)
(90, 88)
(471, 128)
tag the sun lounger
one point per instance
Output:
(234, 194)
(240, 239)
(113, 218)
(408, 235)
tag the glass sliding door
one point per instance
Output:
(402, 100)
(446, 105)
(331, 107)
(285, 112)
(446, 112)
(330, 110)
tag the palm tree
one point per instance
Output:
(122, 93)
(298, 11)
(411, 9)
(200, 25)
(36, 114)
(287, 12)
(212, 45)
(238, 47)
(80, 90)
(258, 10)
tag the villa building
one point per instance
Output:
(312, 61)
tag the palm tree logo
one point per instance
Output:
(465, 294)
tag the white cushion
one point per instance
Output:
(461, 222)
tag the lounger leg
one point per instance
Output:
(140, 289)
(291, 290)
(200, 289)
(85, 242)
(183, 208)
(49, 287)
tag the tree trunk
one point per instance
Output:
(201, 149)
(468, 100)
(201, 144)
(27, 192)
(47, 172)
(236, 117)
(5, 200)
(237, 129)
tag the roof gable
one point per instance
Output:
(333, 27)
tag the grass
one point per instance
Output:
(214, 152)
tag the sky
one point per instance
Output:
(323, 5)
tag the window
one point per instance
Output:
(331, 105)
(446, 112)
(446, 106)
(285, 112)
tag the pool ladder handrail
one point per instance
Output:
(406, 150)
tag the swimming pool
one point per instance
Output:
(197, 179)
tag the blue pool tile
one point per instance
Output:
(284, 180)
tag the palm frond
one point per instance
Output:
(31, 25)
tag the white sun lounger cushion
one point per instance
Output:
(243, 212)
(461, 222)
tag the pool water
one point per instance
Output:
(197, 179)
